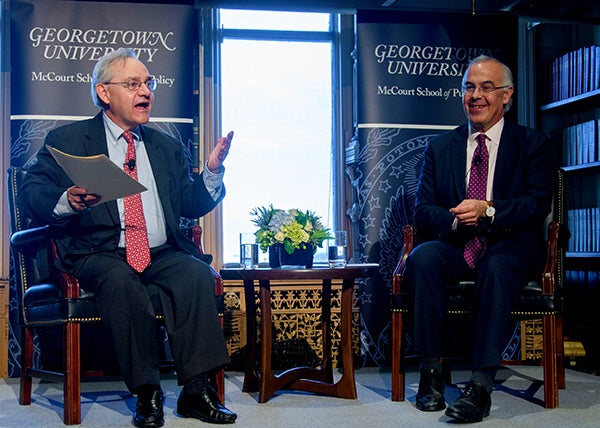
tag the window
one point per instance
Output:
(276, 80)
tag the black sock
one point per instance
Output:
(485, 377)
(145, 391)
(197, 384)
(431, 363)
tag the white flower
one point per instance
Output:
(280, 218)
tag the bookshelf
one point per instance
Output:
(566, 65)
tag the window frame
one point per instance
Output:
(341, 37)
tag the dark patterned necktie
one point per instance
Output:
(478, 176)
(136, 234)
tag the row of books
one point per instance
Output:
(582, 293)
(573, 349)
(575, 73)
(584, 224)
(580, 143)
(583, 278)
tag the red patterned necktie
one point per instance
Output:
(136, 235)
(478, 176)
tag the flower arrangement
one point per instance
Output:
(295, 229)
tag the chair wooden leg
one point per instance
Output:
(72, 368)
(397, 369)
(220, 385)
(550, 362)
(26, 364)
(219, 290)
(560, 349)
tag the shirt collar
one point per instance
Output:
(493, 134)
(114, 131)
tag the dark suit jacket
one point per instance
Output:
(98, 229)
(522, 192)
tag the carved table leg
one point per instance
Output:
(250, 376)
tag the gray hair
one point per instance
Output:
(507, 76)
(103, 71)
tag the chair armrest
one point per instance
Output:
(30, 242)
(196, 235)
(218, 282)
(30, 239)
(408, 231)
(549, 273)
(69, 285)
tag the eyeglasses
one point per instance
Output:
(486, 87)
(135, 85)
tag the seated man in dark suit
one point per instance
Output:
(115, 253)
(483, 194)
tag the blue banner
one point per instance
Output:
(54, 47)
(52, 54)
(410, 68)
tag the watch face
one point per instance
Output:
(490, 211)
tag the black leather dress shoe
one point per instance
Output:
(430, 396)
(472, 406)
(149, 408)
(204, 406)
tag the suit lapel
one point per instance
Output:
(507, 152)
(95, 141)
(160, 169)
(458, 147)
(505, 160)
(94, 144)
(157, 162)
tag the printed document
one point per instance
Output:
(97, 174)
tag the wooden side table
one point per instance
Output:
(317, 380)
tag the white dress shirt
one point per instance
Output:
(155, 222)
(492, 143)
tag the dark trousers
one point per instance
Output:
(499, 275)
(188, 301)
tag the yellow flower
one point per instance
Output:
(294, 228)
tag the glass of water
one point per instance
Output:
(336, 250)
(248, 251)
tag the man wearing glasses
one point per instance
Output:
(483, 194)
(95, 243)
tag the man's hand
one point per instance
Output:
(219, 153)
(469, 211)
(80, 199)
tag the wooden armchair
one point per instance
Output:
(48, 297)
(540, 299)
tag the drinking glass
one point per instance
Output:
(336, 250)
(248, 251)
